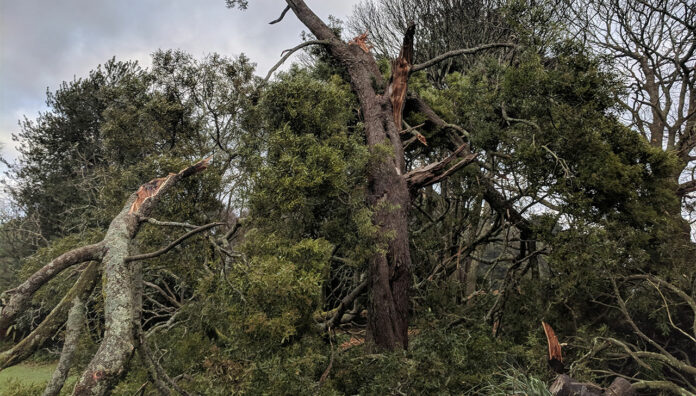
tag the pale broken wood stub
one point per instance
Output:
(148, 190)
(361, 41)
(555, 354)
(153, 187)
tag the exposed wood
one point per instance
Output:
(401, 67)
(555, 355)
(388, 193)
(120, 306)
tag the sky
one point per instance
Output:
(43, 43)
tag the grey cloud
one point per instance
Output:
(43, 43)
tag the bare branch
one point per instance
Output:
(290, 51)
(282, 15)
(463, 51)
(169, 247)
(433, 173)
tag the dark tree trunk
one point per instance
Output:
(388, 193)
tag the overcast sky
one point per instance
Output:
(45, 42)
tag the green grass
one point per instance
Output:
(26, 374)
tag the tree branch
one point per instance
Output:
(464, 51)
(169, 247)
(290, 51)
(282, 15)
(345, 302)
(73, 328)
(21, 295)
(433, 173)
(48, 327)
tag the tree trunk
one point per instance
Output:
(388, 193)
(76, 319)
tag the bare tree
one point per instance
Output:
(653, 46)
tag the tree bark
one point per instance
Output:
(15, 300)
(388, 193)
(49, 326)
(120, 289)
(76, 318)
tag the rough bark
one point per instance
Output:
(49, 326)
(15, 300)
(74, 325)
(120, 283)
(388, 193)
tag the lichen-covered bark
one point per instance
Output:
(15, 300)
(121, 280)
(117, 346)
(74, 325)
(22, 350)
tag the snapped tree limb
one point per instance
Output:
(15, 300)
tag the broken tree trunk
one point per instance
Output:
(388, 193)
(120, 308)
(389, 187)
(120, 279)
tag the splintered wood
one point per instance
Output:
(148, 190)
(361, 41)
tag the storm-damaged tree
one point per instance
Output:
(122, 273)
(390, 186)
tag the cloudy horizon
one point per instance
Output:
(44, 43)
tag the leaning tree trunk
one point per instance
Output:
(120, 283)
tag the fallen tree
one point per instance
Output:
(122, 280)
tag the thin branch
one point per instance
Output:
(464, 51)
(169, 247)
(282, 15)
(289, 52)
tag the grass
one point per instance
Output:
(26, 374)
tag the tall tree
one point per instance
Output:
(389, 184)
(651, 43)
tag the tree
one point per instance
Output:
(651, 44)
(389, 185)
